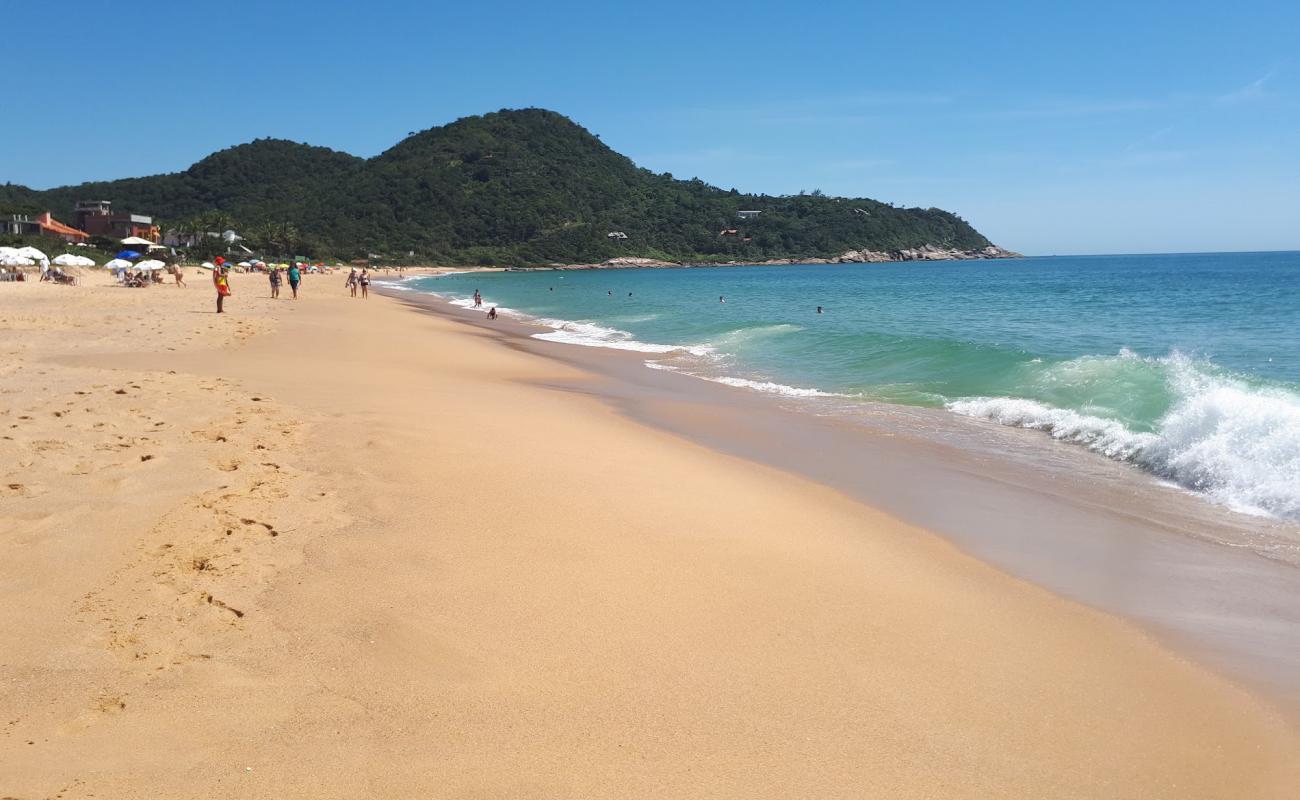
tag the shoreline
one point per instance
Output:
(339, 548)
(1155, 566)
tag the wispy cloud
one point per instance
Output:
(1249, 93)
(1150, 138)
(849, 108)
(1079, 107)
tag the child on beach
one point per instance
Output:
(492, 312)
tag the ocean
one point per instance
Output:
(1185, 366)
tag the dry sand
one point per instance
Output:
(340, 548)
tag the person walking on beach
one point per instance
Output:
(179, 275)
(351, 282)
(221, 281)
(478, 299)
(274, 275)
(294, 278)
(364, 280)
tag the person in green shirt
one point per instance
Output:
(294, 278)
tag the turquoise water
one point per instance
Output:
(1187, 366)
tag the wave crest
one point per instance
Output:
(1237, 443)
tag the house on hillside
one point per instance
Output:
(729, 232)
(748, 214)
(43, 224)
(96, 218)
(617, 236)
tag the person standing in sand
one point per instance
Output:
(295, 277)
(274, 274)
(221, 281)
(364, 280)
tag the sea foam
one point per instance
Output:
(589, 334)
(1237, 443)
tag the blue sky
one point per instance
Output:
(1053, 127)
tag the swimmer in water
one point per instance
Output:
(721, 299)
(819, 309)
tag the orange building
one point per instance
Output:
(52, 227)
(43, 224)
(97, 218)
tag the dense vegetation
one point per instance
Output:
(513, 187)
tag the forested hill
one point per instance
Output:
(513, 187)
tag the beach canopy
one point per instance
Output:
(69, 260)
(118, 263)
(127, 254)
(136, 240)
(149, 266)
(34, 255)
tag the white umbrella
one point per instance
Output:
(136, 240)
(149, 266)
(118, 263)
(69, 260)
(10, 260)
(34, 254)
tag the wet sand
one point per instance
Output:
(345, 548)
(1079, 524)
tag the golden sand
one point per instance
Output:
(337, 548)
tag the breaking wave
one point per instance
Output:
(1236, 442)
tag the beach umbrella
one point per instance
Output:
(127, 254)
(150, 265)
(67, 260)
(136, 240)
(14, 260)
(118, 263)
(34, 255)
(207, 265)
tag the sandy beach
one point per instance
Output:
(345, 548)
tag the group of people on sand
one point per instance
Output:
(277, 276)
(359, 280)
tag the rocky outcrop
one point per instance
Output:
(926, 252)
